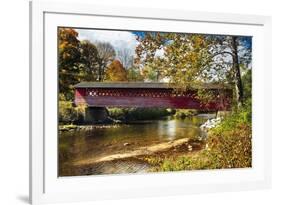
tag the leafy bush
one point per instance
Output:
(240, 117)
(70, 114)
(229, 145)
(128, 114)
(182, 113)
(231, 142)
(247, 83)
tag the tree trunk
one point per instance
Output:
(236, 67)
(99, 75)
(100, 71)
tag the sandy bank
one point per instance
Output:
(138, 152)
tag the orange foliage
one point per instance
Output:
(116, 72)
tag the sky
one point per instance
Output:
(118, 39)
(127, 39)
(124, 38)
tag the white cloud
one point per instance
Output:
(118, 39)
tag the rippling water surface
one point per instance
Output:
(100, 142)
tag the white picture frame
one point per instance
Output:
(46, 186)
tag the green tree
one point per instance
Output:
(185, 59)
(240, 56)
(134, 74)
(191, 59)
(89, 61)
(146, 54)
(247, 84)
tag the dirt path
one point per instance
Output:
(138, 152)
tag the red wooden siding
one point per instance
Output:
(150, 97)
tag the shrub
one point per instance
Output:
(70, 114)
(128, 114)
(231, 142)
(229, 145)
(182, 113)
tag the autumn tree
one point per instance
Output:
(190, 59)
(185, 57)
(148, 45)
(231, 54)
(69, 59)
(106, 54)
(116, 72)
(89, 61)
(146, 53)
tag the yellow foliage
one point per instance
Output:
(116, 72)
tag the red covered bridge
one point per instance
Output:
(140, 94)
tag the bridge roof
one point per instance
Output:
(121, 85)
(155, 85)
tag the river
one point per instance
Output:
(102, 141)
